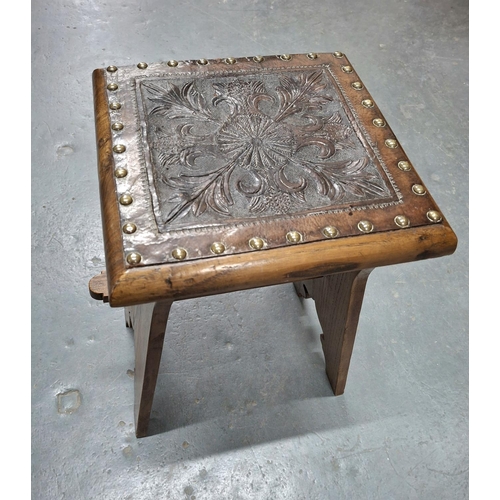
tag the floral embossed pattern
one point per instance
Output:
(226, 148)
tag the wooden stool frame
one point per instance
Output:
(332, 272)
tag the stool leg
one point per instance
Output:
(149, 322)
(338, 299)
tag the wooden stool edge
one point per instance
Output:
(98, 287)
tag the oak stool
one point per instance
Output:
(229, 174)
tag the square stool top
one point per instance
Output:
(218, 175)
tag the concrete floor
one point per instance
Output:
(243, 409)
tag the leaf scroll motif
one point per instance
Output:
(178, 103)
(199, 192)
(300, 94)
(336, 180)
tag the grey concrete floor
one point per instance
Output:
(243, 409)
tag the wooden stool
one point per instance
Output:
(230, 174)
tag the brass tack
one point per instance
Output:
(293, 237)
(434, 216)
(256, 243)
(378, 122)
(402, 221)
(125, 199)
(312, 55)
(121, 172)
(179, 254)
(258, 59)
(418, 189)
(142, 65)
(112, 86)
(129, 228)
(115, 105)
(357, 85)
(391, 143)
(217, 248)
(230, 60)
(111, 69)
(172, 63)
(202, 62)
(285, 57)
(117, 126)
(119, 148)
(134, 258)
(404, 166)
(347, 69)
(330, 231)
(365, 226)
(338, 55)
(367, 103)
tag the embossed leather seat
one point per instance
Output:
(231, 174)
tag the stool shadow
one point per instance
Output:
(248, 362)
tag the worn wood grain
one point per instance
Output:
(203, 277)
(113, 250)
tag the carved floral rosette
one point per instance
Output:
(226, 149)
